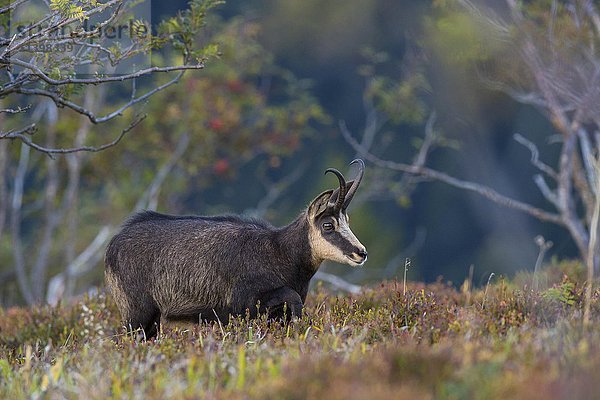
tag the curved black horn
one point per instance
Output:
(352, 190)
(342, 195)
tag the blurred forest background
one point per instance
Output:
(438, 83)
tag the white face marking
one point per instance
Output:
(323, 249)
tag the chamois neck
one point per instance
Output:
(294, 241)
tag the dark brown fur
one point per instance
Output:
(195, 268)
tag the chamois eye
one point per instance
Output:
(328, 226)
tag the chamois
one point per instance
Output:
(203, 268)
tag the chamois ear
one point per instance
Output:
(320, 203)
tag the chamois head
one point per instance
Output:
(329, 232)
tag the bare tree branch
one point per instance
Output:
(11, 6)
(482, 190)
(408, 181)
(61, 101)
(58, 286)
(564, 71)
(582, 189)
(588, 156)
(521, 95)
(92, 149)
(165, 170)
(21, 132)
(275, 190)
(25, 285)
(4, 203)
(17, 245)
(78, 267)
(373, 124)
(97, 80)
(338, 282)
(69, 208)
(134, 100)
(15, 110)
(593, 255)
(51, 216)
(565, 200)
(149, 199)
(535, 154)
(32, 75)
(548, 193)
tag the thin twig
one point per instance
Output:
(406, 267)
(149, 200)
(78, 267)
(12, 5)
(486, 290)
(276, 190)
(565, 199)
(97, 80)
(592, 249)
(17, 245)
(535, 156)
(15, 110)
(61, 101)
(543, 246)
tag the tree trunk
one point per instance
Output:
(3, 189)
(15, 223)
(71, 200)
(39, 271)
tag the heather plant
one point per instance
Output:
(427, 342)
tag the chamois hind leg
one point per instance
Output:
(281, 303)
(137, 311)
(145, 315)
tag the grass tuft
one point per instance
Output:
(423, 341)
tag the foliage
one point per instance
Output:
(431, 342)
(183, 30)
(60, 48)
(70, 9)
(402, 100)
(541, 56)
(231, 157)
(243, 109)
(564, 293)
(460, 40)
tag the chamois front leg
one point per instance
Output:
(281, 303)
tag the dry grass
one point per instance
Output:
(381, 344)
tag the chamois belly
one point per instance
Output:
(191, 288)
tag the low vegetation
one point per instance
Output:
(426, 341)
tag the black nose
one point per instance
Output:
(362, 253)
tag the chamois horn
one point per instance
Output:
(352, 190)
(342, 194)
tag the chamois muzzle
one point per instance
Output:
(359, 257)
(362, 254)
